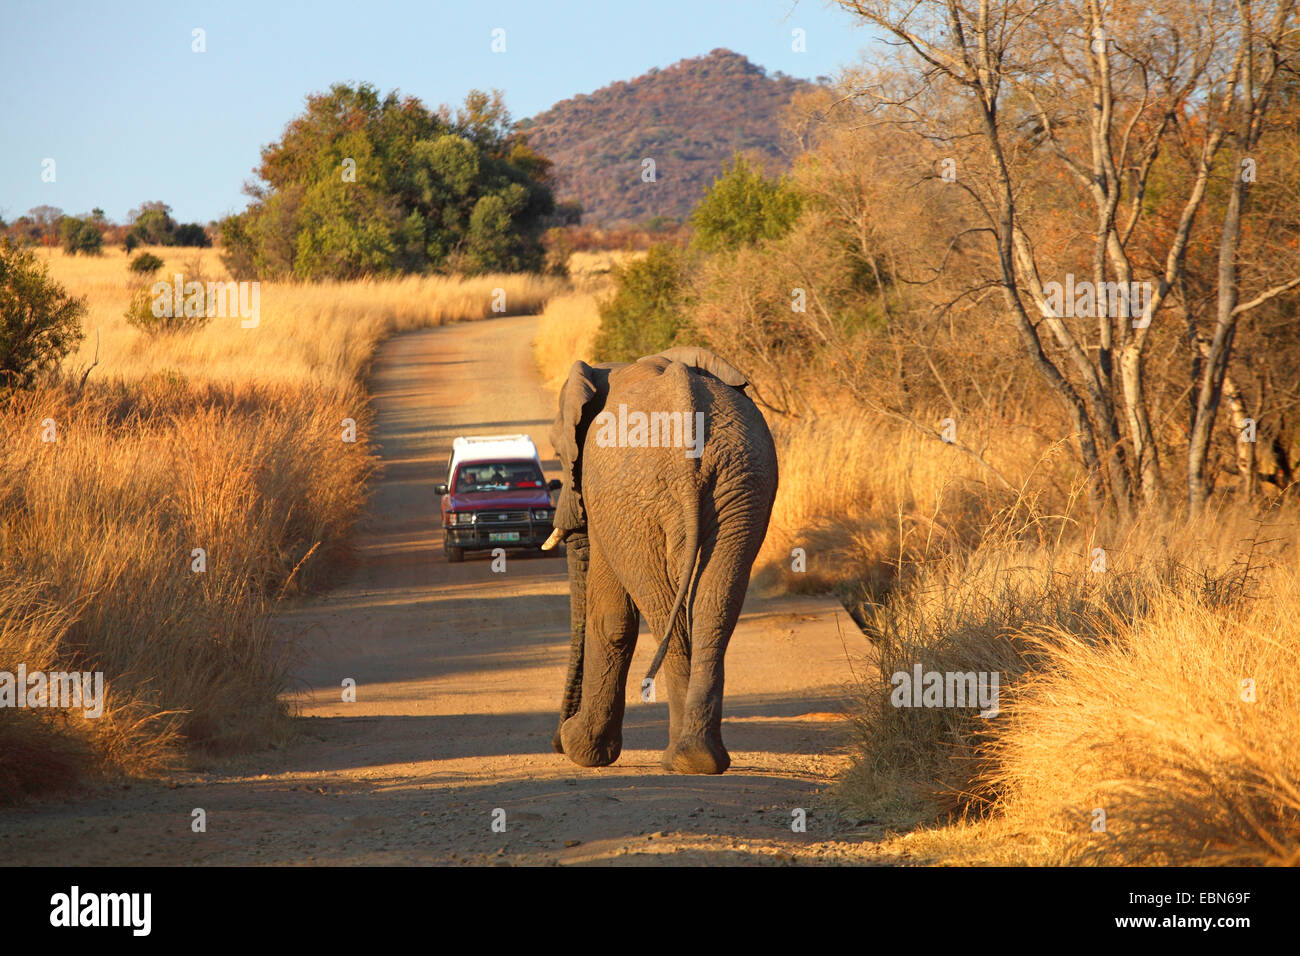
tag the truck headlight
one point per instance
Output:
(463, 517)
(542, 514)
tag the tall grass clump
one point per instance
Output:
(1121, 700)
(1180, 726)
(565, 332)
(153, 534)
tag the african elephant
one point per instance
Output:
(663, 514)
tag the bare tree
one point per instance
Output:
(1097, 89)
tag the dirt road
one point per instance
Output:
(458, 675)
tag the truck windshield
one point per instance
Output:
(498, 476)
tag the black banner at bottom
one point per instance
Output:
(912, 905)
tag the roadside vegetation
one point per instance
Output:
(216, 437)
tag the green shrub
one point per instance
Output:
(80, 235)
(39, 322)
(742, 208)
(648, 310)
(146, 263)
(156, 312)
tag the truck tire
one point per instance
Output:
(455, 555)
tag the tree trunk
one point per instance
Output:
(1145, 458)
(1216, 362)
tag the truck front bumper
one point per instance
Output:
(475, 538)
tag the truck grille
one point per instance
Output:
(502, 517)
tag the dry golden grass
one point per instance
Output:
(592, 271)
(39, 754)
(221, 438)
(1129, 677)
(307, 332)
(866, 498)
(568, 326)
(101, 525)
(1190, 764)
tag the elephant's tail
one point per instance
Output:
(690, 556)
(690, 517)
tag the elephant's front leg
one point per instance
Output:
(593, 737)
(578, 553)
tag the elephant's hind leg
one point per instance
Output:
(677, 674)
(718, 599)
(593, 737)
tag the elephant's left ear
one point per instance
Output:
(580, 389)
(715, 365)
(566, 435)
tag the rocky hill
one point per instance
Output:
(689, 118)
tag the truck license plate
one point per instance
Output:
(504, 536)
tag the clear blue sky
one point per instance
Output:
(115, 95)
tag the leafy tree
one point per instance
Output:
(152, 225)
(80, 235)
(191, 234)
(492, 242)
(648, 309)
(742, 208)
(344, 232)
(568, 213)
(484, 120)
(39, 322)
(361, 184)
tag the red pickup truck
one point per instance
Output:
(495, 496)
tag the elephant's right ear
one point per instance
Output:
(568, 431)
(714, 364)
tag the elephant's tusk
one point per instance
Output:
(557, 535)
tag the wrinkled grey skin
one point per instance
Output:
(651, 527)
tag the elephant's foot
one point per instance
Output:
(586, 750)
(696, 755)
(557, 742)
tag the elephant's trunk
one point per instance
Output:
(579, 553)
